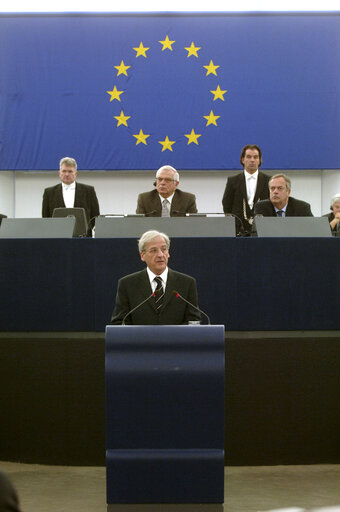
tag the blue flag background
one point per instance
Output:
(80, 85)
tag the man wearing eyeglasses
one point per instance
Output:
(166, 200)
(156, 295)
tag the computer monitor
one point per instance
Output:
(193, 226)
(80, 228)
(37, 228)
(314, 227)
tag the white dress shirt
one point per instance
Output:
(251, 184)
(152, 276)
(69, 192)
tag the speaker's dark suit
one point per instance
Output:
(235, 197)
(135, 288)
(85, 197)
(2, 216)
(149, 203)
(295, 208)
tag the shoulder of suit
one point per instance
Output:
(53, 188)
(180, 275)
(236, 177)
(264, 176)
(133, 276)
(295, 201)
(84, 186)
(180, 192)
(149, 193)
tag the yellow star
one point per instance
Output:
(211, 68)
(166, 143)
(115, 95)
(192, 137)
(167, 43)
(122, 119)
(122, 69)
(218, 94)
(141, 137)
(141, 50)
(211, 118)
(192, 50)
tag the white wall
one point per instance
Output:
(21, 192)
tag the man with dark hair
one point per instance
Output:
(245, 189)
(147, 297)
(166, 200)
(69, 193)
(280, 204)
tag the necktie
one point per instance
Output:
(280, 213)
(165, 208)
(159, 293)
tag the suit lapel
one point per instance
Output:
(59, 196)
(244, 194)
(78, 196)
(175, 205)
(156, 202)
(259, 186)
(170, 286)
(145, 289)
(289, 209)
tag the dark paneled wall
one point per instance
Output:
(282, 398)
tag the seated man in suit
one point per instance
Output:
(166, 200)
(245, 189)
(334, 215)
(148, 297)
(70, 194)
(280, 203)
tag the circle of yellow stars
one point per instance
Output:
(192, 51)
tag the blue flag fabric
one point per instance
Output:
(120, 92)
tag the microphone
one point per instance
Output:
(136, 307)
(242, 231)
(177, 294)
(178, 213)
(149, 214)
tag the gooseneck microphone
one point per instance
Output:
(178, 295)
(136, 307)
(150, 214)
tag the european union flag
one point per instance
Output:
(138, 91)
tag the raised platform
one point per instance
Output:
(282, 398)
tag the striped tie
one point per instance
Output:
(280, 213)
(159, 293)
(165, 208)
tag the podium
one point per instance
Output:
(165, 414)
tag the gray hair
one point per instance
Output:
(168, 168)
(285, 177)
(335, 199)
(148, 236)
(70, 162)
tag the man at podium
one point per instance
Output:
(156, 295)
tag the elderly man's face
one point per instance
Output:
(165, 183)
(156, 255)
(279, 193)
(67, 174)
(336, 207)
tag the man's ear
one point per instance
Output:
(142, 256)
